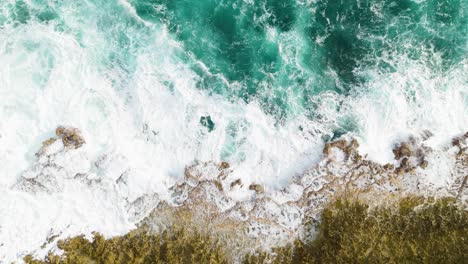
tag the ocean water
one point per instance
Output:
(260, 84)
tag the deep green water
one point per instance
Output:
(279, 52)
(282, 52)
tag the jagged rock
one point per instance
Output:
(461, 143)
(179, 194)
(198, 172)
(388, 166)
(401, 150)
(327, 149)
(218, 185)
(349, 150)
(278, 215)
(352, 147)
(426, 134)
(273, 214)
(71, 137)
(236, 182)
(224, 165)
(357, 158)
(341, 144)
(424, 164)
(404, 166)
(257, 188)
(411, 150)
(45, 146)
(54, 166)
(142, 206)
(40, 183)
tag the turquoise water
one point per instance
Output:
(292, 58)
(282, 52)
(275, 51)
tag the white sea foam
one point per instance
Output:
(153, 137)
(409, 101)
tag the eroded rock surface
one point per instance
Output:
(271, 218)
(56, 162)
(262, 217)
(410, 154)
(71, 136)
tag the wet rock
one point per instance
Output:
(403, 149)
(71, 137)
(218, 185)
(413, 149)
(350, 174)
(352, 147)
(142, 206)
(405, 162)
(341, 144)
(41, 183)
(424, 164)
(405, 166)
(224, 165)
(426, 134)
(202, 171)
(357, 158)
(257, 188)
(349, 150)
(459, 141)
(45, 146)
(190, 179)
(236, 182)
(327, 149)
(179, 194)
(388, 166)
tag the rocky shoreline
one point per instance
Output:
(267, 218)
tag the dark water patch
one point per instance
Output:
(47, 15)
(207, 122)
(283, 13)
(20, 12)
(242, 43)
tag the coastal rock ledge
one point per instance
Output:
(205, 196)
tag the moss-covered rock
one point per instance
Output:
(178, 246)
(415, 231)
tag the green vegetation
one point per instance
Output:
(177, 246)
(417, 230)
